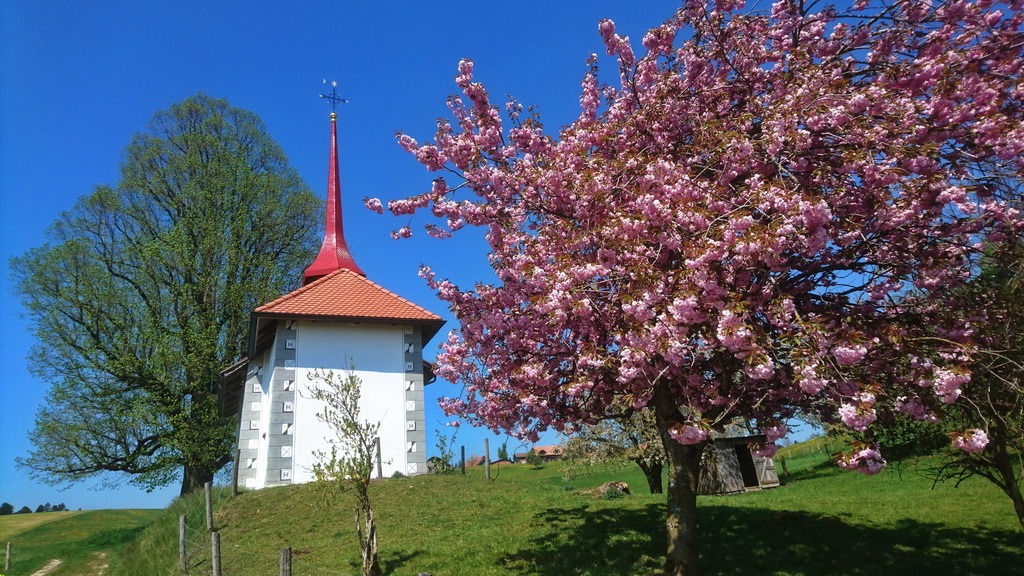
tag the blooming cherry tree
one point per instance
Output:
(757, 218)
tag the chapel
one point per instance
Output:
(337, 320)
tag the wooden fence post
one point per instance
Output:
(234, 472)
(785, 471)
(215, 552)
(487, 459)
(182, 562)
(7, 559)
(209, 508)
(462, 462)
(286, 562)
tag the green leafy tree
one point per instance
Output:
(6, 509)
(445, 445)
(503, 451)
(630, 436)
(349, 464)
(24, 510)
(906, 439)
(534, 459)
(986, 425)
(143, 291)
(993, 408)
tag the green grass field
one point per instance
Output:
(81, 540)
(15, 524)
(532, 522)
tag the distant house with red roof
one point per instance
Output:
(475, 461)
(552, 452)
(339, 319)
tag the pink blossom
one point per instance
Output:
(970, 441)
(947, 383)
(615, 44)
(729, 5)
(435, 231)
(465, 73)
(760, 371)
(914, 408)
(688, 434)
(374, 205)
(659, 40)
(859, 414)
(815, 215)
(776, 432)
(431, 157)
(767, 450)
(686, 310)
(866, 460)
(590, 99)
(732, 332)
(849, 355)
(808, 379)
(407, 142)
(403, 232)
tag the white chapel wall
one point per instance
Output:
(377, 354)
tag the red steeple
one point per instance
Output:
(334, 254)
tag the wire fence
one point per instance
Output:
(201, 560)
(823, 445)
(198, 556)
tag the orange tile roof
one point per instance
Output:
(344, 294)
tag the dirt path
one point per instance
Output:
(98, 567)
(53, 565)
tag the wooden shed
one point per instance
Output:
(731, 467)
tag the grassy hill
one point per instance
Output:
(532, 522)
(81, 540)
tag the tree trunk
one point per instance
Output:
(682, 557)
(653, 473)
(1010, 485)
(366, 528)
(194, 478)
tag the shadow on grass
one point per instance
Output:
(111, 538)
(579, 540)
(744, 541)
(824, 469)
(390, 561)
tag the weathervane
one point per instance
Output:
(333, 97)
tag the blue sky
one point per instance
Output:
(77, 79)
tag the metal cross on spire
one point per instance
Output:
(333, 97)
